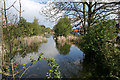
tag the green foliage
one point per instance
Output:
(100, 53)
(54, 69)
(40, 56)
(23, 29)
(98, 36)
(0, 34)
(6, 69)
(24, 66)
(65, 49)
(48, 30)
(42, 29)
(33, 62)
(35, 26)
(42, 26)
(63, 27)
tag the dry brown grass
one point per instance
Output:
(68, 38)
(34, 39)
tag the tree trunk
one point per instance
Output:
(20, 10)
(13, 74)
(8, 33)
(89, 15)
(84, 18)
(2, 54)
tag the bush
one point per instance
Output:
(100, 52)
(23, 29)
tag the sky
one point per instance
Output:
(31, 10)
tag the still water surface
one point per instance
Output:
(68, 57)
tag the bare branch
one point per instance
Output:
(11, 5)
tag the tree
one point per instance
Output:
(35, 26)
(20, 10)
(10, 39)
(29, 29)
(43, 26)
(11, 44)
(48, 30)
(119, 15)
(101, 55)
(81, 13)
(63, 27)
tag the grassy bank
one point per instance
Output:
(31, 40)
(26, 44)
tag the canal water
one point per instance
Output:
(68, 56)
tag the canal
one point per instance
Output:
(68, 56)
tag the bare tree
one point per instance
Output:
(5, 16)
(81, 12)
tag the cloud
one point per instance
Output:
(31, 10)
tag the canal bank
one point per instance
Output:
(68, 58)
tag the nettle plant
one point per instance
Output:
(52, 73)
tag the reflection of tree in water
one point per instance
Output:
(29, 49)
(47, 35)
(25, 49)
(63, 47)
(95, 67)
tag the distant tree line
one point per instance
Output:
(25, 28)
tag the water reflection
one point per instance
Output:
(49, 50)
(29, 49)
(70, 64)
(63, 47)
(69, 61)
(95, 67)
